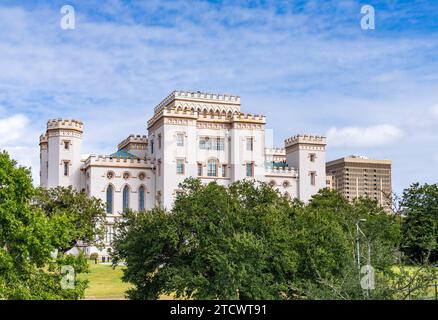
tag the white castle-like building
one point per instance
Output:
(191, 134)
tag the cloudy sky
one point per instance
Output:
(307, 65)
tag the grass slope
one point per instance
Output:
(105, 282)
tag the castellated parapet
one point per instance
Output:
(248, 117)
(198, 100)
(110, 161)
(65, 124)
(206, 96)
(305, 139)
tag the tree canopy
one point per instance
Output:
(419, 207)
(247, 241)
(33, 227)
(86, 216)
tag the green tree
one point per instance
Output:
(331, 219)
(420, 222)
(86, 216)
(28, 239)
(248, 241)
(217, 242)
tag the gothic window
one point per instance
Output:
(224, 170)
(110, 174)
(158, 199)
(250, 169)
(159, 168)
(109, 234)
(141, 195)
(312, 157)
(207, 143)
(199, 169)
(249, 144)
(125, 198)
(212, 168)
(202, 143)
(141, 176)
(66, 145)
(180, 166)
(312, 178)
(109, 199)
(66, 168)
(180, 139)
(217, 144)
(125, 175)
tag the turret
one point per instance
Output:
(61, 149)
(307, 154)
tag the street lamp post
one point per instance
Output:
(358, 232)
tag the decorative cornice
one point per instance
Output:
(213, 125)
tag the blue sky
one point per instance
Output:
(306, 65)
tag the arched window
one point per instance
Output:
(125, 198)
(109, 199)
(212, 168)
(141, 198)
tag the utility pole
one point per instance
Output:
(358, 232)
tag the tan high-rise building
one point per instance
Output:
(358, 176)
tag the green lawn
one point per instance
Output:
(105, 282)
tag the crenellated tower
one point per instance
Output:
(61, 152)
(307, 154)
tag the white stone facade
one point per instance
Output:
(191, 134)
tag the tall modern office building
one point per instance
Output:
(358, 176)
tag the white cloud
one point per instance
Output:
(12, 128)
(372, 136)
